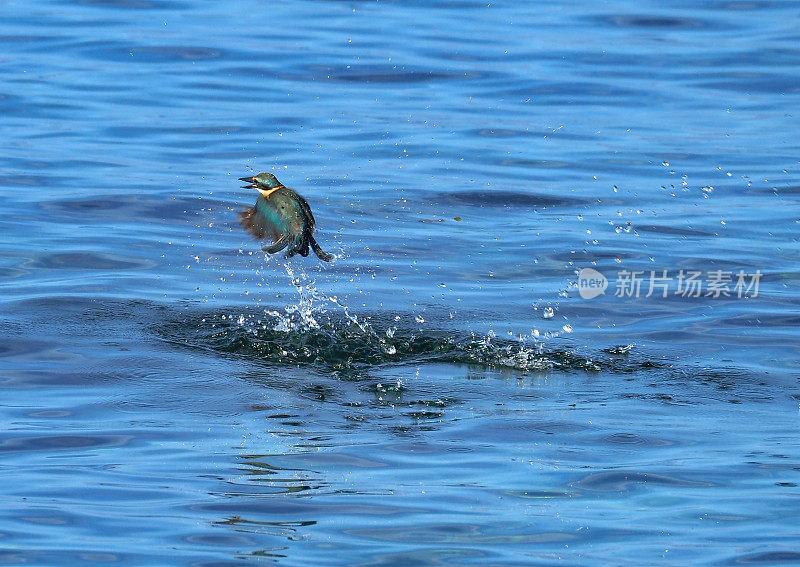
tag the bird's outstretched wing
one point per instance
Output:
(282, 243)
(262, 221)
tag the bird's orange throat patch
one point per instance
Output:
(267, 192)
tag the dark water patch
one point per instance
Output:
(778, 557)
(524, 165)
(653, 22)
(793, 190)
(499, 132)
(310, 461)
(536, 494)
(626, 439)
(760, 83)
(237, 521)
(465, 533)
(269, 88)
(49, 443)
(743, 5)
(503, 198)
(23, 348)
(722, 378)
(86, 261)
(128, 132)
(587, 256)
(32, 377)
(299, 509)
(28, 109)
(131, 4)
(319, 392)
(127, 207)
(215, 539)
(369, 74)
(672, 230)
(37, 40)
(159, 54)
(423, 555)
(41, 555)
(625, 481)
(510, 534)
(25, 180)
(513, 429)
(777, 58)
(576, 92)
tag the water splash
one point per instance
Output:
(312, 304)
(338, 343)
(319, 329)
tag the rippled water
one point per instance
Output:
(440, 393)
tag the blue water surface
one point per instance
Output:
(441, 393)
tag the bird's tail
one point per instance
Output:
(303, 248)
(299, 245)
(321, 254)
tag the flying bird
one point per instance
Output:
(281, 215)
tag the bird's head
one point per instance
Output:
(262, 182)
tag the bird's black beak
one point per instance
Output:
(248, 179)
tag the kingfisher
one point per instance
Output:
(281, 215)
